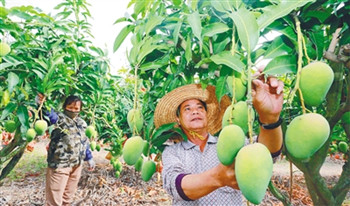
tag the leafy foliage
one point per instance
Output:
(181, 42)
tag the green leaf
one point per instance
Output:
(155, 64)
(158, 137)
(318, 38)
(164, 128)
(218, 6)
(277, 48)
(177, 32)
(226, 5)
(121, 36)
(22, 114)
(149, 128)
(247, 28)
(221, 45)
(3, 12)
(214, 28)
(195, 23)
(12, 80)
(274, 12)
(152, 22)
(8, 110)
(188, 51)
(147, 47)
(229, 60)
(122, 19)
(220, 88)
(281, 65)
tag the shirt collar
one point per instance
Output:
(188, 144)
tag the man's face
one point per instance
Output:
(74, 106)
(193, 115)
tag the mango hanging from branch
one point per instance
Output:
(231, 140)
(253, 167)
(10, 126)
(315, 81)
(239, 115)
(135, 120)
(4, 49)
(132, 149)
(306, 134)
(40, 127)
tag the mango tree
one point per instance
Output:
(54, 56)
(222, 42)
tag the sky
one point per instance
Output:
(104, 14)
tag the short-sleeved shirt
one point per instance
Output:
(68, 143)
(186, 158)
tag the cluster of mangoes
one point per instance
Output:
(134, 151)
(253, 162)
(117, 165)
(305, 134)
(341, 146)
(40, 127)
(90, 132)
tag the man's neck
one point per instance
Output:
(195, 139)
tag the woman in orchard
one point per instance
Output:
(192, 173)
(68, 149)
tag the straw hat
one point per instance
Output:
(166, 108)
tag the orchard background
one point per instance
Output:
(175, 43)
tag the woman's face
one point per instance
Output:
(193, 115)
(74, 106)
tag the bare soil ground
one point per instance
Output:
(100, 187)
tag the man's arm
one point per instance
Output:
(189, 187)
(268, 102)
(196, 186)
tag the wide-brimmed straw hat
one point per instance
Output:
(166, 108)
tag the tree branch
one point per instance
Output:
(280, 196)
(342, 187)
(321, 195)
(329, 54)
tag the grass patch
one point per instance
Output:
(31, 164)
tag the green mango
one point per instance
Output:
(92, 145)
(343, 147)
(117, 174)
(147, 170)
(135, 120)
(40, 127)
(30, 135)
(346, 118)
(306, 134)
(240, 87)
(253, 167)
(4, 49)
(98, 147)
(132, 149)
(138, 164)
(10, 126)
(145, 148)
(315, 81)
(231, 140)
(90, 131)
(239, 116)
(119, 166)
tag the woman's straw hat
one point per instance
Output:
(166, 108)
